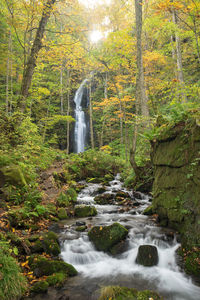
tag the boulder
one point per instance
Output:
(147, 256)
(85, 211)
(42, 266)
(62, 214)
(105, 237)
(12, 175)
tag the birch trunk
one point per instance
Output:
(91, 117)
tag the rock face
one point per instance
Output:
(106, 237)
(176, 188)
(147, 256)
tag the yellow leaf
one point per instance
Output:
(13, 229)
(101, 228)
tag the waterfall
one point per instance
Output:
(80, 124)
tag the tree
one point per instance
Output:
(31, 63)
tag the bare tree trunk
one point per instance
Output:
(91, 117)
(104, 117)
(11, 74)
(31, 63)
(8, 73)
(68, 108)
(61, 90)
(179, 58)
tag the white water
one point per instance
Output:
(165, 278)
(80, 125)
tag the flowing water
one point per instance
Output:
(97, 268)
(80, 124)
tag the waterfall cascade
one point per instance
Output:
(80, 124)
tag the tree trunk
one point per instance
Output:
(140, 97)
(61, 90)
(91, 117)
(179, 58)
(68, 108)
(31, 63)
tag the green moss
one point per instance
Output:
(124, 293)
(13, 175)
(56, 279)
(62, 214)
(71, 194)
(81, 228)
(148, 211)
(104, 238)
(40, 287)
(42, 266)
(85, 211)
(51, 245)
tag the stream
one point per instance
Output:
(97, 268)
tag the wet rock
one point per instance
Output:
(101, 190)
(147, 256)
(105, 237)
(137, 195)
(148, 211)
(80, 223)
(119, 248)
(104, 199)
(136, 203)
(85, 211)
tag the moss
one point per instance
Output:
(81, 228)
(62, 214)
(148, 211)
(85, 211)
(13, 175)
(42, 266)
(56, 279)
(104, 238)
(51, 245)
(40, 287)
(37, 247)
(124, 293)
(71, 194)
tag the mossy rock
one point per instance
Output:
(13, 175)
(191, 261)
(124, 293)
(33, 237)
(105, 237)
(37, 247)
(148, 211)
(147, 256)
(62, 214)
(51, 244)
(16, 219)
(40, 287)
(82, 211)
(81, 228)
(71, 194)
(56, 279)
(42, 266)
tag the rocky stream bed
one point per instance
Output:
(97, 268)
